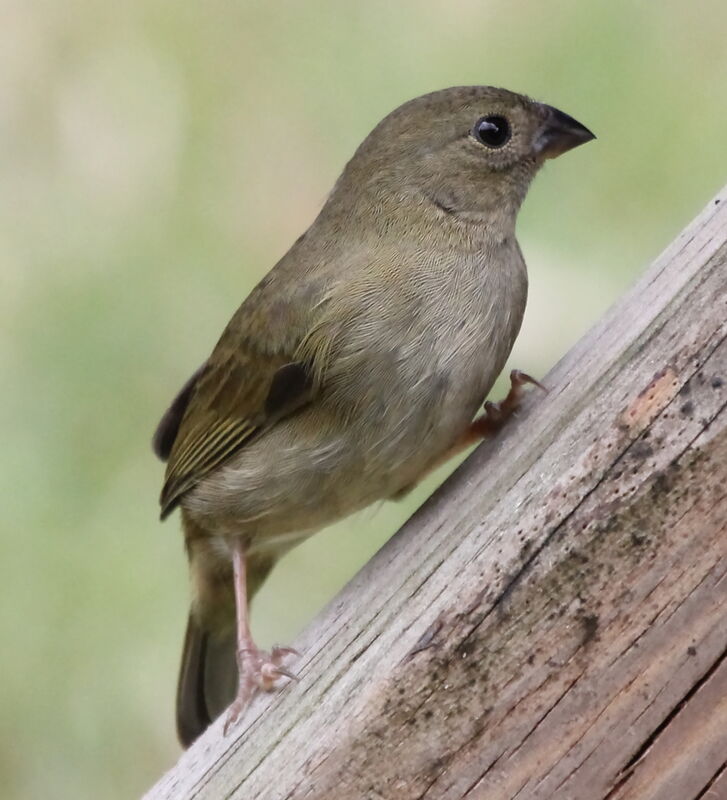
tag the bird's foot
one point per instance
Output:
(497, 414)
(258, 670)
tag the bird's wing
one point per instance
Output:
(168, 427)
(256, 375)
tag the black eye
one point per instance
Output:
(493, 131)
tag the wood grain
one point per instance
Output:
(552, 623)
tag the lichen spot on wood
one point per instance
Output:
(649, 403)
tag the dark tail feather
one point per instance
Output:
(207, 680)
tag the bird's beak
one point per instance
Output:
(559, 133)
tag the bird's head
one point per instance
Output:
(471, 151)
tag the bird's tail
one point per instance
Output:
(207, 679)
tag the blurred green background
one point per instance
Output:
(156, 158)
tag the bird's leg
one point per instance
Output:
(487, 424)
(497, 414)
(256, 668)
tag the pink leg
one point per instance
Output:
(487, 424)
(257, 669)
(497, 414)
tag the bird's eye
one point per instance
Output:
(493, 131)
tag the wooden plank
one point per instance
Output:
(552, 623)
(682, 756)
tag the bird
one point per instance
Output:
(354, 367)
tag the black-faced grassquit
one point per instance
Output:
(355, 365)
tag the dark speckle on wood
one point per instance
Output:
(642, 450)
(637, 539)
(590, 627)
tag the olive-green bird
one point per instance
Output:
(356, 365)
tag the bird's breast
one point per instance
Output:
(418, 369)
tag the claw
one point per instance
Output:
(520, 378)
(279, 652)
(237, 707)
(497, 414)
(270, 672)
(286, 673)
(232, 716)
(258, 670)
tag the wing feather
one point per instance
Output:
(240, 394)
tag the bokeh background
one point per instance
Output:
(156, 158)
